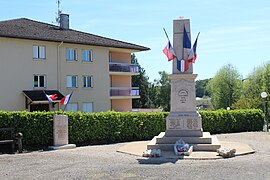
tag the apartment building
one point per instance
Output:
(38, 58)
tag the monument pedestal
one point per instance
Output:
(60, 133)
(184, 122)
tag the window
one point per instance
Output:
(39, 81)
(86, 55)
(72, 107)
(39, 52)
(72, 81)
(87, 81)
(88, 107)
(71, 54)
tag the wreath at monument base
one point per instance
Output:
(181, 148)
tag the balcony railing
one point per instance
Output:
(121, 67)
(122, 91)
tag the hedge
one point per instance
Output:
(223, 121)
(108, 127)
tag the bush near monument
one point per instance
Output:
(108, 127)
(224, 121)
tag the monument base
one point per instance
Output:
(67, 146)
(206, 142)
(184, 121)
(185, 126)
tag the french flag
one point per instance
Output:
(169, 52)
(52, 97)
(193, 55)
(65, 99)
(182, 65)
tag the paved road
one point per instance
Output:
(103, 162)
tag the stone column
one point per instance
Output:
(178, 32)
(60, 133)
(183, 115)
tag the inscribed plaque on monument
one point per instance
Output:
(60, 130)
(183, 121)
(183, 95)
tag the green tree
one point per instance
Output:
(164, 91)
(255, 83)
(225, 87)
(201, 90)
(141, 81)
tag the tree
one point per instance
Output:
(225, 87)
(141, 81)
(201, 90)
(164, 91)
(255, 83)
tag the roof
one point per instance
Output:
(29, 29)
(39, 95)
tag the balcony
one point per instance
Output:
(124, 69)
(124, 92)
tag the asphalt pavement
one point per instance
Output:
(104, 162)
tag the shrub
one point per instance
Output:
(223, 121)
(108, 127)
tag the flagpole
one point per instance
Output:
(166, 34)
(65, 107)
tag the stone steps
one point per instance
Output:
(192, 133)
(163, 139)
(204, 143)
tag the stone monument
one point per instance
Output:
(60, 133)
(183, 122)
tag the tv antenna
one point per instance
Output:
(57, 18)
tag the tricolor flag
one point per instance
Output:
(192, 54)
(182, 65)
(169, 52)
(51, 98)
(65, 99)
(186, 41)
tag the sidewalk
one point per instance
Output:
(137, 149)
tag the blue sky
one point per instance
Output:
(232, 31)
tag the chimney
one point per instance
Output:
(64, 21)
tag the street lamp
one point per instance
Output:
(264, 96)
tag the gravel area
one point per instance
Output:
(103, 162)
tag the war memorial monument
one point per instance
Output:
(184, 122)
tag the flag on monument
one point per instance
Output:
(51, 98)
(193, 55)
(65, 99)
(169, 52)
(186, 41)
(182, 65)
